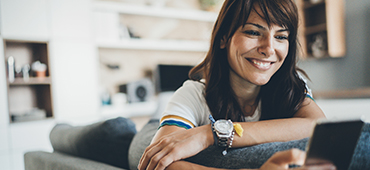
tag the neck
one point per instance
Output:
(245, 91)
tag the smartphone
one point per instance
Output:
(333, 142)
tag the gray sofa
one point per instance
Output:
(109, 145)
(114, 144)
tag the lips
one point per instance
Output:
(260, 64)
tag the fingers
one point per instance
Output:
(158, 155)
(318, 167)
(292, 156)
(149, 153)
(161, 162)
(282, 160)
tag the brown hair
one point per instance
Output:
(283, 95)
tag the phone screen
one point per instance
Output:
(334, 142)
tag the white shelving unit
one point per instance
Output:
(165, 45)
(117, 7)
(138, 109)
(151, 44)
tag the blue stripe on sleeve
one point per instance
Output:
(175, 123)
(309, 96)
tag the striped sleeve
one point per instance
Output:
(173, 120)
(308, 90)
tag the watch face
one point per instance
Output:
(223, 126)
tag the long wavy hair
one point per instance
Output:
(283, 95)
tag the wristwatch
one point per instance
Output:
(223, 132)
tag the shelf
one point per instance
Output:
(164, 45)
(31, 81)
(130, 110)
(309, 4)
(316, 29)
(343, 94)
(37, 40)
(327, 18)
(122, 8)
(35, 92)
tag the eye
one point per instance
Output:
(251, 32)
(281, 37)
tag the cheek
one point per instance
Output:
(282, 50)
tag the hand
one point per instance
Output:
(175, 146)
(282, 160)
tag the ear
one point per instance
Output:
(223, 43)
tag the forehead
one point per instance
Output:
(257, 15)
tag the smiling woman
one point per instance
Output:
(261, 47)
(249, 76)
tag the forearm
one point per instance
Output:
(278, 130)
(281, 130)
(191, 166)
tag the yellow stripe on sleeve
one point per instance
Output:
(176, 117)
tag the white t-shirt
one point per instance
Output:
(188, 107)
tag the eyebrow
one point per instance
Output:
(264, 28)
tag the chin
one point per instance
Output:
(261, 82)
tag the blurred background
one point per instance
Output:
(83, 61)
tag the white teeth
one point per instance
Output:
(261, 64)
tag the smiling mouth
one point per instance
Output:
(262, 65)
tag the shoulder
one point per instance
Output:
(193, 84)
(308, 90)
(191, 87)
(188, 102)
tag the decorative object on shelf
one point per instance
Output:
(156, 3)
(138, 91)
(315, 1)
(124, 32)
(11, 69)
(39, 68)
(105, 97)
(119, 99)
(210, 5)
(132, 33)
(26, 72)
(33, 114)
(318, 45)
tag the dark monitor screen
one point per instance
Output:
(171, 77)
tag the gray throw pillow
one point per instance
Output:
(107, 141)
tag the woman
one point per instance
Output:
(248, 76)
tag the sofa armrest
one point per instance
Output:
(40, 160)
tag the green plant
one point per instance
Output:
(207, 4)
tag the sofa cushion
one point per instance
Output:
(141, 141)
(107, 141)
(39, 160)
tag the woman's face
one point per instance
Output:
(256, 51)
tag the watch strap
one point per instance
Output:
(215, 138)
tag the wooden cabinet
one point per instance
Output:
(29, 94)
(322, 28)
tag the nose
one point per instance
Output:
(266, 46)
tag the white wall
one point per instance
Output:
(4, 117)
(345, 108)
(74, 61)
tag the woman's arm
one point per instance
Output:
(298, 127)
(172, 143)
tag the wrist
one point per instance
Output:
(210, 135)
